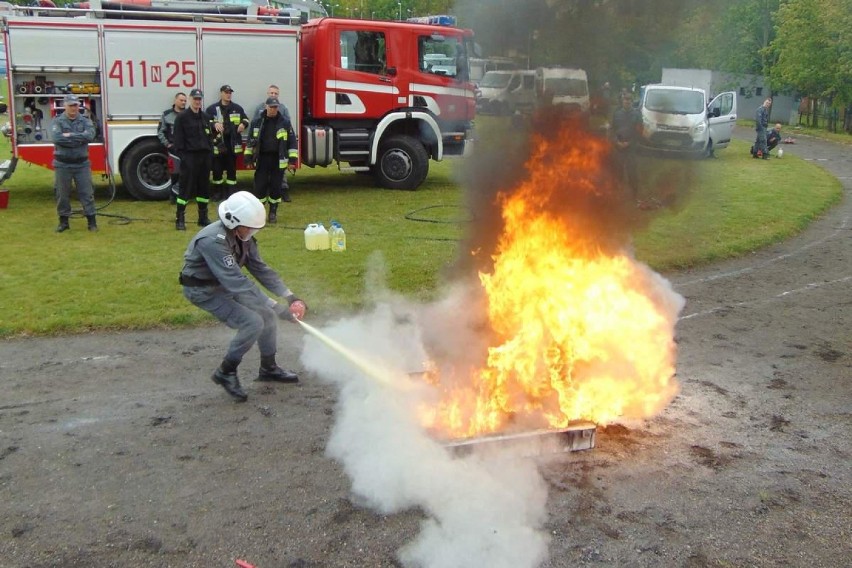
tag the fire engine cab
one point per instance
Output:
(360, 93)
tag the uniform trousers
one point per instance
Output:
(194, 177)
(225, 163)
(253, 323)
(268, 178)
(69, 176)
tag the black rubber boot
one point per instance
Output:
(203, 219)
(226, 377)
(180, 218)
(270, 371)
(93, 223)
(63, 225)
(273, 212)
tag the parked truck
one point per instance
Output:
(358, 91)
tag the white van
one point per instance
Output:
(563, 86)
(506, 92)
(678, 120)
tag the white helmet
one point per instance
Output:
(242, 209)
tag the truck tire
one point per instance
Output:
(145, 171)
(402, 163)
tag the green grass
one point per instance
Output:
(739, 205)
(125, 276)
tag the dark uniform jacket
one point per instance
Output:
(625, 125)
(192, 132)
(72, 149)
(232, 116)
(761, 118)
(773, 138)
(287, 145)
(216, 254)
(165, 130)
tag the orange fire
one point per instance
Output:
(582, 332)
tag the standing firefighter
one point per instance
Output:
(272, 143)
(230, 121)
(213, 280)
(71, 133)
(192, 143)
(166, 134)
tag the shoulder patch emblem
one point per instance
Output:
(229, 260)
(220, 236)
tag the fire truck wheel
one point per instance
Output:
(145, 171)
(402, 163)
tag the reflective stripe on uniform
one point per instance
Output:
(281, 134)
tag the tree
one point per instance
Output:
(812, 48)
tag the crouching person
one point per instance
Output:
(213, 279)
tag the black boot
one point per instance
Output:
(63, 224)
(203, 219)
(285, 190)
(93, 224)
(270, 371)
(180, 218)
(273, 212)
(226, 377)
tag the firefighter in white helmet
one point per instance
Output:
(213, 279)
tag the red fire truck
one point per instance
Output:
(361, 93)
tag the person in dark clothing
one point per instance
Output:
(773, 138)
(272, 91)
(71, 133)
(192, 142)
(165, 133)
(761, 122)
(230, 120)
(272, 150)
(213, 280)
(625, 126)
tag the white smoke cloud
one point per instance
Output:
(483, 509)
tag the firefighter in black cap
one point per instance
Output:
(193, 130)
(272, 149)
(230, 120)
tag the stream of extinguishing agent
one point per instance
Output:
(374, 372)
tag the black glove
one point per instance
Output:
(283, 312)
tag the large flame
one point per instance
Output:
(583, 331)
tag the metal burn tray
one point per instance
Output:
(577, 436)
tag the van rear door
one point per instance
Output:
(722, 112)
